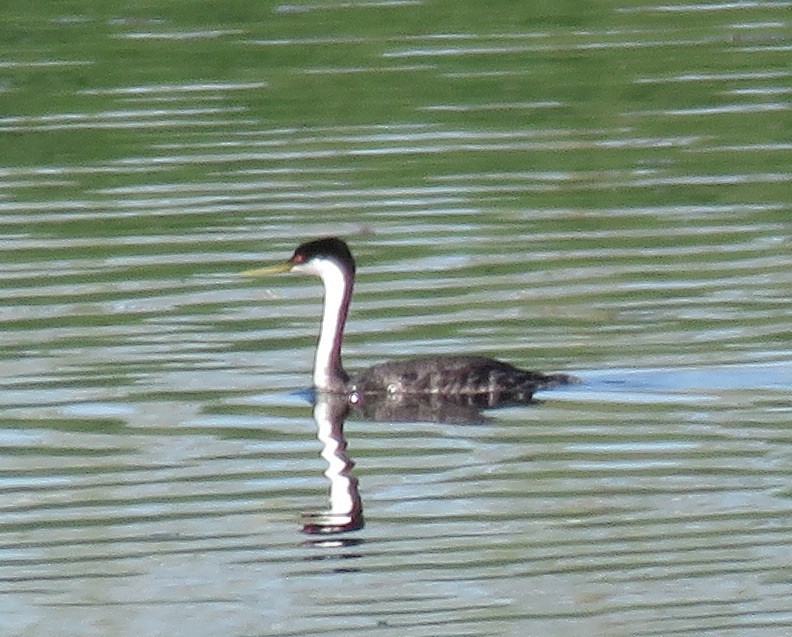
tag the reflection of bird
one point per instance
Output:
(346, 507)
(445, 375)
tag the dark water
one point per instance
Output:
(601, 189)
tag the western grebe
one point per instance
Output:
(444, 375)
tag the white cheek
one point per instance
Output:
(317, 266)
(302, 268)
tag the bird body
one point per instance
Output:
(453, 375)
(442, 375)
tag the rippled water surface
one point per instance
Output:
(596, 188)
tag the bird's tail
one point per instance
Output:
(554, 380)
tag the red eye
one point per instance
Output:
(297, 258)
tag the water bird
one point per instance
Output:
(444, 376)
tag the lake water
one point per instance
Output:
(599, 188)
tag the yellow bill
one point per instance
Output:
(272, 269)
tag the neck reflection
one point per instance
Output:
(346, 508)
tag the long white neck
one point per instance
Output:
(328, 373)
